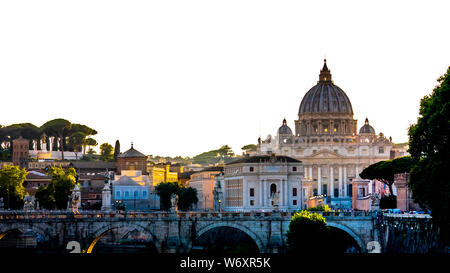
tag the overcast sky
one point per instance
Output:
(184, 77)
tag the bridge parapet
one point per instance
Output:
(20, 215)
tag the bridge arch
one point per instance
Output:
(350, 232)
(101, 231)
(254, 236)
(35, 229)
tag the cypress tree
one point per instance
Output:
(116, 149)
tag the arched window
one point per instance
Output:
(127, 194)
(117, 194)
(273, 189)
(136, 194)
(144, 194)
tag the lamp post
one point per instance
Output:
(220, 201)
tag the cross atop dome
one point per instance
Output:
(325, 74)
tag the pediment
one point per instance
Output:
(325, 154)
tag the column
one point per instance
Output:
(261, 204)
(265, 194)
(281, 196)
(286, 193)
(331, 182)
(319, 181)
(345, 181)
(340, 181)
(244, 192)
(357, 172)
(310, 172)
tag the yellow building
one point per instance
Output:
(159, 174)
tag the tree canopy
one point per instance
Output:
(429, 145)
(186, 196)
(307, 233)
(106, 152)
(224, 154)
(55, 195)
(60, 129)
(11, 186)
(384, 171)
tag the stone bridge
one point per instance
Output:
(175, 232)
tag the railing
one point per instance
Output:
(62, 214)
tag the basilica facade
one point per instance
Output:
(327, 141)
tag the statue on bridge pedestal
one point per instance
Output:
(375, 201)
(275, 198)
(174, 202)
(1, 203)
(106, 195)
(28, 202)
(75, 199)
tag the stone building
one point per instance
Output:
(160, 173)
(132, 160)
(261, 182)
(327, 141)
(135, 191)
(203, 182)
(20, 152)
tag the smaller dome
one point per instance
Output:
(284, 129)
(366, 128)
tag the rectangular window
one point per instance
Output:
(294, 191)
(294, 202)
(349, 190)
(294, 169)
(252, 169)
(362, 192)
(324, 189)
(252, 192)
(381, 150)
(252, 202)
(336, 192)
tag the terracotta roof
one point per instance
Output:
(132, 153)
(126, 181)
(94, 165)
(264, 158)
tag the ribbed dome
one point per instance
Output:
(366, 128)
(284, 129)
(325, 97)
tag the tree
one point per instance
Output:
(384, 170)
(45, 198)
(106, 152)
(87, 131)
(116, 149)
(90, 142)
(56, 194)
(429, 146)
(165, 191)
(186, 198)
(76, 141)
(307, 233)
(58, 128)
(249, 147)
(11, 186)
(223, 154)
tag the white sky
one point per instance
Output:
(184, 77)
